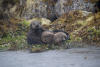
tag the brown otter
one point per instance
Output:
(34, 34)
(47, 37)
(59, 37)
(54, 37)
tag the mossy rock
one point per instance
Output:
(38, 48)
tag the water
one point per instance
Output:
(76, 57)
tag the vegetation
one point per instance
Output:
(81, 25)
(92, 1)
(15, 39)
(81, 28)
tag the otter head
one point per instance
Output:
(60, 37)
(35, 25)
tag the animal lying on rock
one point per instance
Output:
(60, 37)
(63, 32)
(35, 32)
(47, 37)
(54, 37)
(37, 35)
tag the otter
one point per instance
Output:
(47, 37)
(37, 35)
(35, 32)
(60, 37)
(54, 37)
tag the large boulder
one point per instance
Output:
(52, 9)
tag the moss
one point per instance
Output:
(5, 3)
(39, 48)
(68, 3)
(80, 27)
(16, 39)
(6, 26)
(44, 0)
(92, 1)
(50, 2)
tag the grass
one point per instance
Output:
(15, 40)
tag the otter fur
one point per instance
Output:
(54, 37)
(67, 34)
(34, 34)
(59, 37)
(37, 35)
(47, 37)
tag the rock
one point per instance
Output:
(44, 22)
(86, 13)
(52, 9)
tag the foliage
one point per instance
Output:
(7, 25)
(68, 3)
(80, 27)
(92, 1)
(50, 2)
(16, 39)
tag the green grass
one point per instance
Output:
(15, 40)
